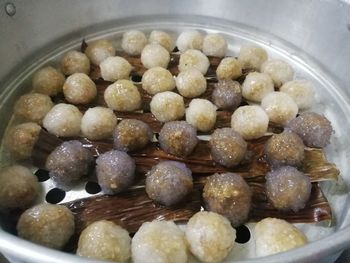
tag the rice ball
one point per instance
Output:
(227, 94)
(274, 235)
(75, 62)
(104, 240)
(98, 123)
(133, 42)
(229, 68)
(33, 107)
(256, 86)
(193, 58)
(191, 83)
(154, 55)
(210, 236)
(157, 79)
(63, 120)
(47, 225)
(159, 241)
(201, 114)
(302, 91)
(279, 71)
(167, 106)
(79, 89)
(214, 45)
(115, 68)
(48, 80)
(251, 122)
(252, 57)
(280, 107)
(123, 95)
(162, 38)
(190, 39)
(99, 50)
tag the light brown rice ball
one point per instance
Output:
(123, 95)
(33, 107)
(256, 86)
(162, 38)
(75, 62)
(133, 42)
(99, 50)
(167, 106)
(229, 68)
(279, 71)
(63, 120)
(157, 79)
(189, 39)
(193, 58)
(252, 57)
(48, 80)
(201, 114)
(214, 45)
(302, 91)
(191, 83)
(115, 68)
(79, 89)
(154, 55)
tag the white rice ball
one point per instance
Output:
(252, 57)
(159, 241)
(133, 42)
(63, 120)
(99, 50)
(193, 58)
(191, 83)
(104, 240)
(162, 38)
(201, 114)
(98, 123)
(75, 62)
(279, 70)
(214, 45)
(251, 122)
(167, 106)
(115, 68)
(79, 89)
(229, 68)
(157, 79)
(280, 107)
(154, 55)
(274, 235)
(302, 91)
(123, 95)
(48, 80)
(210, 236)
(189, 39)
(256, 86)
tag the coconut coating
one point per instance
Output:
(75, 62)
(104, 240)
(159, 241)
(302, 91)
(157, 79)
(227, 147)
(191, 83)
(279, 71)
(115, 68)
(227, 94)
(79, 89)
(98, 123)
(63, 120)
(229, 68)
(167, 106)
(287, 188)
(168, 183)
(189, 39)
(178, 138)
(154, 55)
(162, 38)
(201, 114)
(123, 95)
(256, 86)
(280, 107)
(131, 135)
(19, 187)
(193, 58)
(229, 195)
(251, 122)
(68, 162)
(47, 224)
(286, 148)
(115, 171)
(20, 139)
(252, 57)
(314, 129)
(99, 50)
(214, 45)
(48, 80)
(210, 236)
(274, 235)
(33, 107)
(133, 42)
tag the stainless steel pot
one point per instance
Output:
(314, 35)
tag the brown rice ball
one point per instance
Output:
(167, 106)
(229, 68)
(193, 58)
(302, 91)
(99, 50)
(252, 57)
(201, 114)
(279, 71)
(79, 89)
(75, 62)
(115, 68)
(48, 80)
(227, 94)
(214, 45)
(133, 42)
(157, 79)
(191, 83)
(162, 38)
(256, 86)
(154, 55)
(189, 39)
